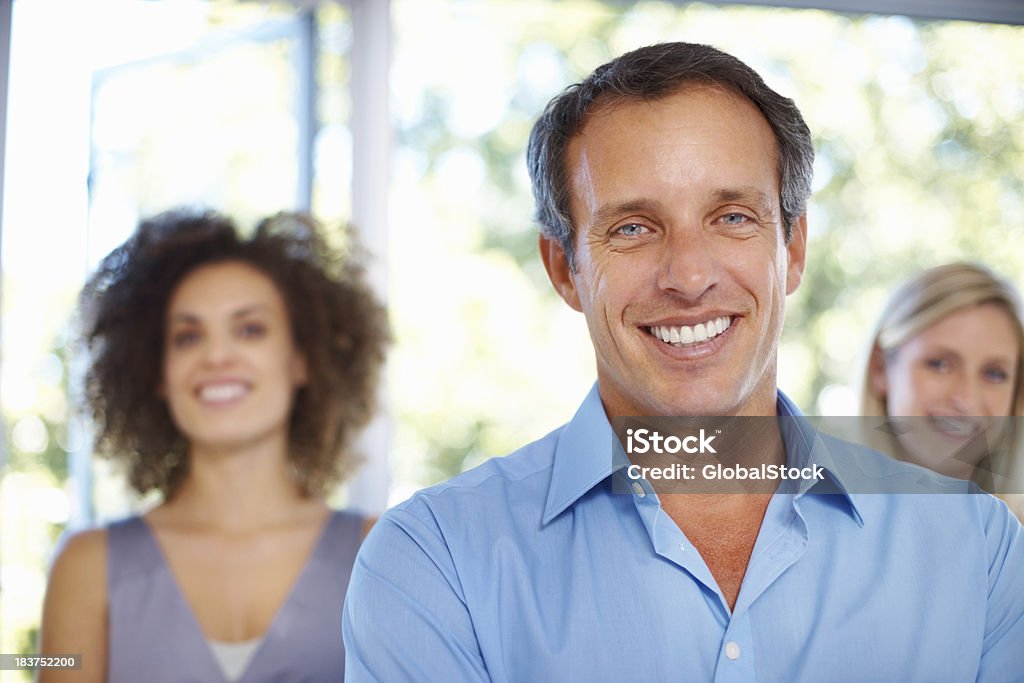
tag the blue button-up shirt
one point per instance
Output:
(530, 568)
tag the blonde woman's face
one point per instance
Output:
(956, 375)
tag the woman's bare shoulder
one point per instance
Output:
(75, 608)
(82, 561)
(84, 548)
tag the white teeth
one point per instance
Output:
(686, 334)
(219, 393)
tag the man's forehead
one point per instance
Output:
(635, 130)
(609, 103)
(619, 118)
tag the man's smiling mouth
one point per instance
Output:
(687, 335)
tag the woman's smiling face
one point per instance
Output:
(231, 367)
(956, 375)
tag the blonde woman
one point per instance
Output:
(947, 353)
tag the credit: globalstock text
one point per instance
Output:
(648, 441)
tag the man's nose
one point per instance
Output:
(688, 264)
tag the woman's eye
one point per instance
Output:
(184, 338)
(939, 364)
(996, 375)
(631, 230)
(253, 330)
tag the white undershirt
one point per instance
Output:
(234, 657)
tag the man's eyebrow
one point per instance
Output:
(609, 212)
(760, 200)
(750, 195)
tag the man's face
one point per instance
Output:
(681, 265)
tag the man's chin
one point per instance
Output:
(694, 406)
(661, 397)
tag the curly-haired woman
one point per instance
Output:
(228, 373)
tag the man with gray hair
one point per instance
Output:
(671, 190)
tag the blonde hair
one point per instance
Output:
(925, 299)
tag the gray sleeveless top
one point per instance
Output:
(154, 636)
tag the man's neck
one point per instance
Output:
(723, 528)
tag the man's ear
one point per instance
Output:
(797, 251)
(557, 264)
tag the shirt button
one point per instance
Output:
(638, 489)
(682, 546)
(732, 650)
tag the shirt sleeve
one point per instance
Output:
(1002, 657)
(405, 616)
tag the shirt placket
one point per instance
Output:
(736, 655)
(785, 540)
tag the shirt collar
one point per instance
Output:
(804, 446)
(584, 455)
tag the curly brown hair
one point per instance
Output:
(336, 320)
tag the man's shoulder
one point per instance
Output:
(955, 504)
(868, 470)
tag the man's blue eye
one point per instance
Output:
(631, 230)
(734, 218)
